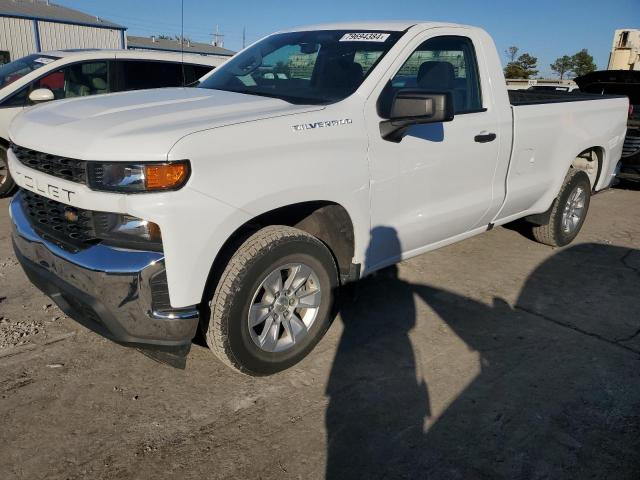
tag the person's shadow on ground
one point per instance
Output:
(558, 394)
(378, 405)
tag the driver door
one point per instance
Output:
(436, 183)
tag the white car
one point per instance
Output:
(239, 207)
(79, 73)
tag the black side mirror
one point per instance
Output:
(414, 107)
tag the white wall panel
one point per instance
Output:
(17, 36)
(58, 36)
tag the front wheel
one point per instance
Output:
(568, 212)
(273, 302)
(7, 185)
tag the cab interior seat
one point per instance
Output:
(440, 77)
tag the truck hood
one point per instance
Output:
(140, 125)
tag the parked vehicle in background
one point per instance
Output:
(312, 158)
(79, 73)
(627, 83)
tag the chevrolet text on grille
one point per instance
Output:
(37, 186)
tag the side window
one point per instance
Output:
(137, 75)
(78, 80)
(440, 64)
(193, 73)
(202, 70)
(54, 81)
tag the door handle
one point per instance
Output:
(484, 137)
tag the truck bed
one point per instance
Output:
(528, 97)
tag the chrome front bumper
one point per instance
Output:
(119, 293)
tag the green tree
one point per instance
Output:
(523, 67)
(511, 53)
(513, 70)
(582, 63)
(562, 65)
(528, 64)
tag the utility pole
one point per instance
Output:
(217, 38)
(244, 36)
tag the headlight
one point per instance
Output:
(138, 177)
(127, 231)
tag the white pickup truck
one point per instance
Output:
(312, 158)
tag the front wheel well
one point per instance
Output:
(329, 222)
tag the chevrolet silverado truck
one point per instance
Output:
(312, 158)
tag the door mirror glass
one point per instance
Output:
(41, 95)
(416, 107)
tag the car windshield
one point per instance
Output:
(313, 67)
(12, 71)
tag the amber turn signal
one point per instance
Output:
(166, 176)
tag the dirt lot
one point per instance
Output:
(493, 358)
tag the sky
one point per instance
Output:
(546, 29)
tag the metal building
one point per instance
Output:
(29, 26)
(173, 45)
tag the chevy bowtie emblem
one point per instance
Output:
(71, 215)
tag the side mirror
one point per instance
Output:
(41, 95)
(415, 107)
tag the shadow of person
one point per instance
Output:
(557, 396)
(378, 406)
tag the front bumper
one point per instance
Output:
(120, 294)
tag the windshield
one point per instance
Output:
(315, 67)
(11, 72)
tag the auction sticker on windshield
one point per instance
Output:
(365, 37)
(44, 60)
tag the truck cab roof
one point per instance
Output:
(389, 25)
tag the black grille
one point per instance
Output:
(160, 292)
(61, 167)
(69, 227)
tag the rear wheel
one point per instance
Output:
(7, 185)
(273, 302)
(568, 212)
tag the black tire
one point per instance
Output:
(228, 333)
(552, 233)
(7, 185)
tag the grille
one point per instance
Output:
(70, 228)
(631, 143)
(60, 167)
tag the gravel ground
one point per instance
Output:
(493, 358)
(26, 316)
